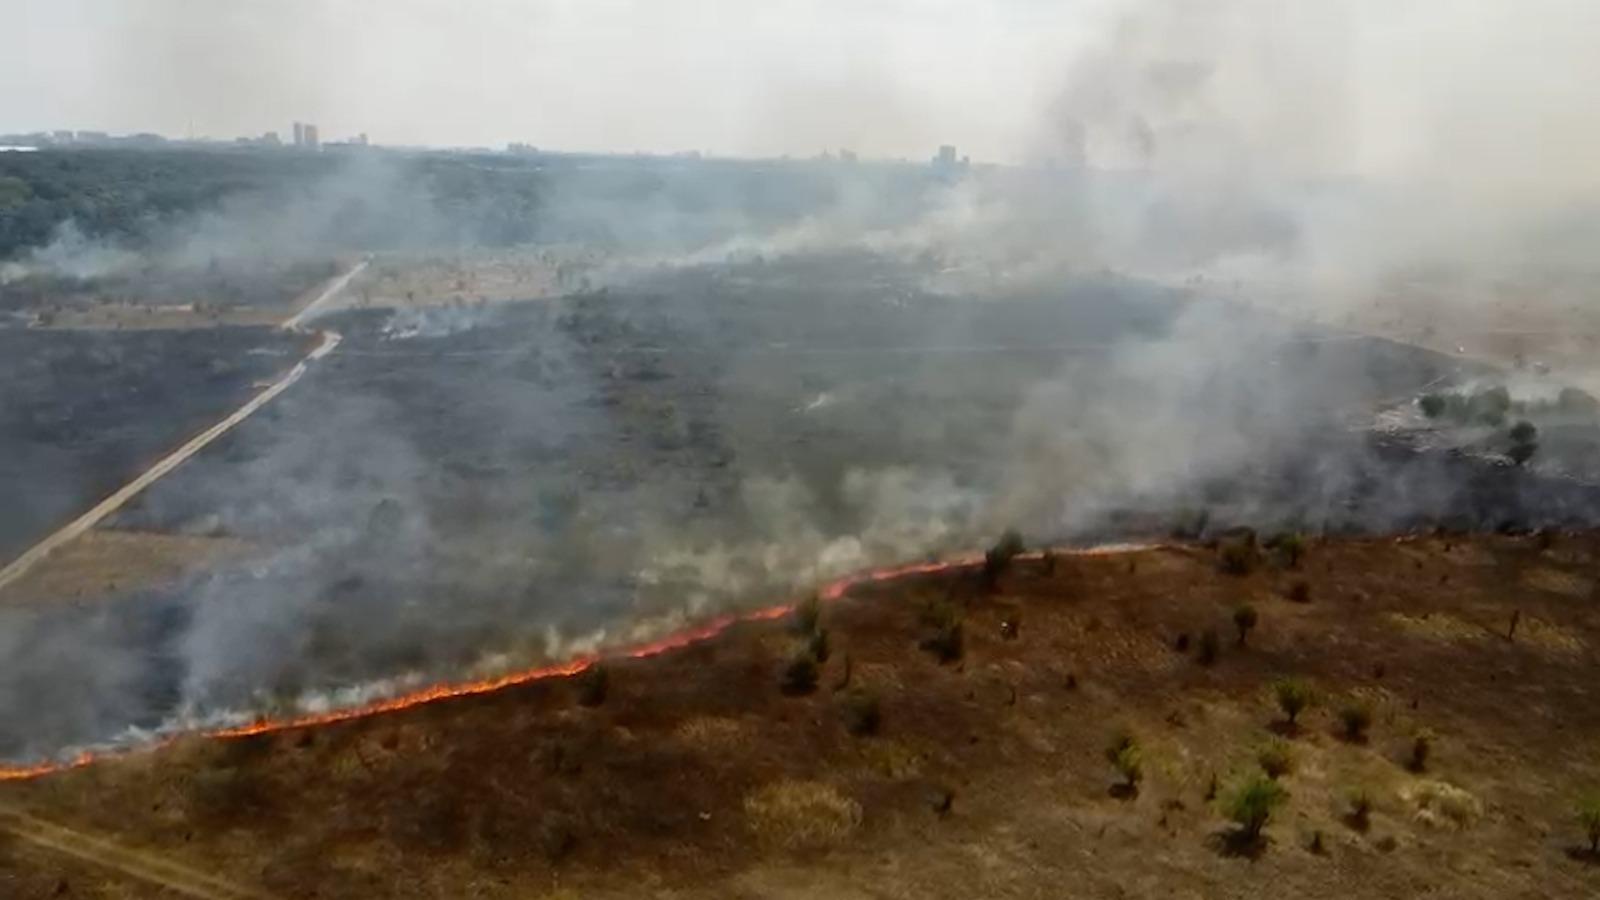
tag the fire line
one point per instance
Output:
(830, 592)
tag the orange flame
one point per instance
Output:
(831, 591)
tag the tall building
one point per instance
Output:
(947, 156)
(299, 134)
(311, 137)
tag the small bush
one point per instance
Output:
(1358, 804)
(1355, 718)
(1236, 557)
(1589, 821)
(594, 684)
(1125, 756)
(1244, 619)
(1182, 643)
(1433, 405)
(1523, 432)
(799, 673)
(1300, 591)
(1421, 749)
(1210, 646)
(1293, 696)
(1251, 804)
(861, 713)
(997, 559)
(1289, 546)
(1276, 758)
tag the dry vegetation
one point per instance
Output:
(982, 774)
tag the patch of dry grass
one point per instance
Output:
(1556, 581)
(798, 814)
(1442, 805)
(711, 734)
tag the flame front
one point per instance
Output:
(831, 591)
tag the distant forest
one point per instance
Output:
(380, 199)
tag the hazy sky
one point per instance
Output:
(1334, 85)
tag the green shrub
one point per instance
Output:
(997, 559)
(1252, 803)
(1589, 821)
(1276, 758)
(1125, 756)
(1245, 619)
(1355, 717)
(1289, 546)
(1293, 696)
(861, 712)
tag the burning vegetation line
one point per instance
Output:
(694, 634)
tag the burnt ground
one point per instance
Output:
(84, 411)
(695, 776)
(693, 438)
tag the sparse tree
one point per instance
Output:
(1244, 619)
(1251, 804)
(1293, 696)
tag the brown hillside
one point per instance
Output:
(694, 775)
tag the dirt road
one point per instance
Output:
(34, 555)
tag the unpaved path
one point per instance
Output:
(138, 864)
(98, 513)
